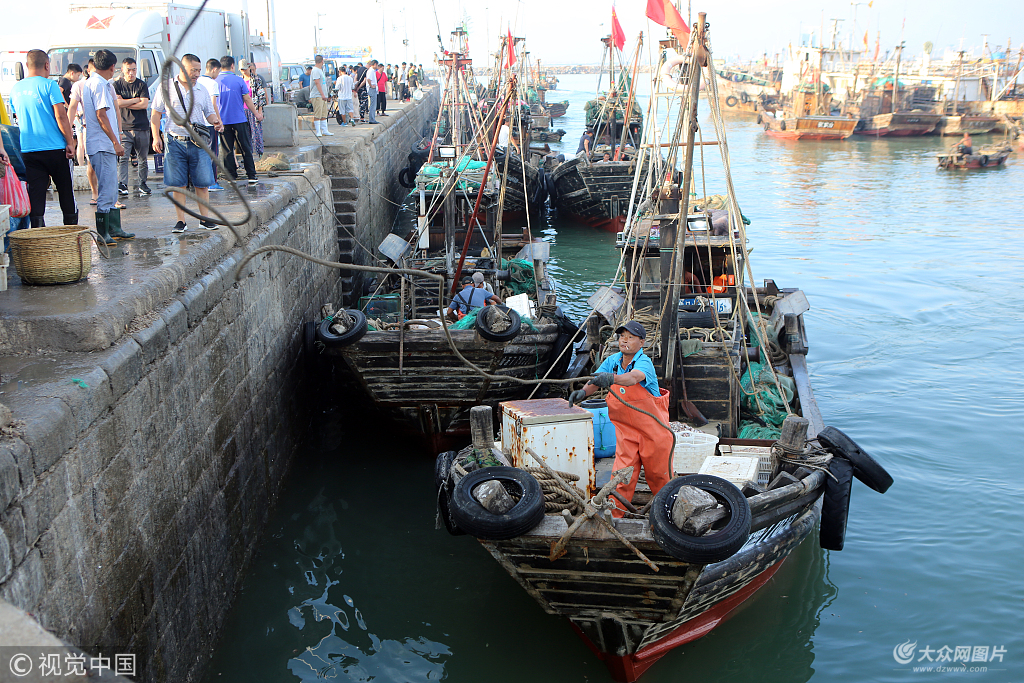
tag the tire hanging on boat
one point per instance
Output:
(835, 505)
(442, 467)
(470, 516)
(983, 160)
(444, 509)
(731, 101)
(865, 467)
(715, 547)
(407, 178)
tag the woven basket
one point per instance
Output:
(51, 256)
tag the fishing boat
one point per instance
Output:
(807, 114)
(746, 93)
(973, 124)
(589, 188)
(887, 108)
(660, 573)
(396, 348)
(988, 156)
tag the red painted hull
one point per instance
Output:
(613, 225)
(803, 135)
(628, 668)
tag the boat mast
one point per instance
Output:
(896, 79)
(670, 311)
(959, 73)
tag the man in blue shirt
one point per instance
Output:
(473, 295)
(630, 378)
(47, 145)
(233, 98)
(306, 78)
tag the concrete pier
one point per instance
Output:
(156, 405)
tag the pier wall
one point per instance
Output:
(136, 477)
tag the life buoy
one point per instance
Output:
(731, 101)
(983, 160)
(672, 60)
(720, 283)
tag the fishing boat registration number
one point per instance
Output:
(722, 305)
(826, 124)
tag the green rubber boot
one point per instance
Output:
(114, 226)
(101, 228)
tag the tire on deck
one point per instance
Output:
(470, 516)
(484, 324)
(354, 333)
(715, 547)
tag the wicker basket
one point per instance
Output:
(51, 256)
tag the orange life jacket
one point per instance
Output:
(720, 282)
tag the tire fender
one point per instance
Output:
(782, 124)
(983, 160)
(407, 178)
(731, 101)
(483, 326)
(835, 505)
(865, 468)
(701, 549)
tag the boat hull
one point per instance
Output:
(594, 194)
(809, 127)
(969, 161)
(899, 124)
(975, 124)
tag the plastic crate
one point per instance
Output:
(692, 449)
(766, 461)
(739, 469)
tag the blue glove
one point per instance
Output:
(603, 380)
(577, 396)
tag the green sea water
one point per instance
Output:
(914, 279)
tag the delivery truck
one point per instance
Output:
(148, 32)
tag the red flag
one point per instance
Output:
(618, 36)
(511, 50)
(664, 12)
(878, 39)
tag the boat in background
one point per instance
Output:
(798, 120)
(988, 156)
(741, 92)
(888, 108)
(974, 124)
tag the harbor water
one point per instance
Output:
(913, 276)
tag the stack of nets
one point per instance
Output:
(556, 498)
(521, 276)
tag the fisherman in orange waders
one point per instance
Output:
(639, 439)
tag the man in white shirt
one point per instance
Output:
(77, 118)
(318, 96)
(186, 162)
(370, 81)
(346, 107)
(208, 81)
(103, 144)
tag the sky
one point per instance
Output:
(568, 31)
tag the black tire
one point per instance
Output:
(701, 549)
(835, 505)
(760, 119)
(325, 335)
(487, 333)
(476, 521)
(744, 98)
(697, 319)
(442, 467)
(406, 178)
(766, 126)
(782, 124)
(731, 101)
(309, 338)
(865, 467)
(983, 160)
(445, 509)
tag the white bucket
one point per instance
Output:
(692, 448)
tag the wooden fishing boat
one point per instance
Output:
(989, 156)
(901, 123)
(588, 188)
(393, 348)
(556, 109)
(974, 124)
(890, 109)
(659, 574)
(744, 93)
(779, 125)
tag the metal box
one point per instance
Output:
(562, 433)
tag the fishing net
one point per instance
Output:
(752, 430)
(761, 396)
(521, 276)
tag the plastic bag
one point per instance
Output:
(14, 192)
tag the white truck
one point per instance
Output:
(148, 32)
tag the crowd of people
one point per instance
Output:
(98, 116)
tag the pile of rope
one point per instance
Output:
(556, 498)
(811, 457)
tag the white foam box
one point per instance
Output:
(739, 469)
(767, 461)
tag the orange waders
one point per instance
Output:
(639, 439)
